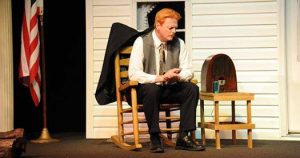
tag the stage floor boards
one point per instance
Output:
(75, 145)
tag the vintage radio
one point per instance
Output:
(218, 74)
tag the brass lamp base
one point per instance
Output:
(45, 137)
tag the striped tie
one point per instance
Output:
(162, 58)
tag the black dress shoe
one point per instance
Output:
(186, 143)
(156, 145)
(157, 148)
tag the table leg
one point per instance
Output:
(202, 122)
(217, 132)
(250, 145)
(233, 121)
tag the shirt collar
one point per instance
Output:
(156, 40)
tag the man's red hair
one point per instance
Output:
(161, 15)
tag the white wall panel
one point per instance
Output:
(98, 65)
(111, 2)
(265, 100)
(257, 111)
(246, 65)
(234, 19)
(101, 14)
(266, 134)
(108, 21)
(234, 31)
(234, 8)
(250, 76)
(246, 30)
(234, 42)
(257, 76)
(100, 43)
(237, 53)
(260, 122)
(110, 11)
(259, 88)
(225, 110)
(262, 100)
(99, 132)
(228, 1)
(99, 55)
(101, 32)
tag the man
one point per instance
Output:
(163, 68)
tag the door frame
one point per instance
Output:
(283, 50)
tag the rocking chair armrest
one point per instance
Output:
(194, 80)
(128, 84)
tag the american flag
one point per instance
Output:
(29, 70)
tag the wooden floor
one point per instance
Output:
(73, 145)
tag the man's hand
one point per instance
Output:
(172, 75)
(160, 79)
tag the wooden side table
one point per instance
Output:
(233, 125)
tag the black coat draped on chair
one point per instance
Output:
(120, 36)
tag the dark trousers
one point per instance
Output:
(184, 93)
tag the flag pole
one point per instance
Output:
(45, 135)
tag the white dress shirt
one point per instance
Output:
(136, 72)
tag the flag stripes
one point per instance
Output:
(29, 70)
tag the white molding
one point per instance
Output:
(133, 13)
(89, 68)
(291, 137)
(6, 68)
(298, 30)
(188, 26)
(291, 46)
(282, 69)
(136, 1)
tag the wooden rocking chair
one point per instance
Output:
(124, 85)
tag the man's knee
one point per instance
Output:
(192, 88)
(151, 89)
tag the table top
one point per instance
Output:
(226, 96)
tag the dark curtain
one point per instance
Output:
(64, 25)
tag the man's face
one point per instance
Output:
(167, 30)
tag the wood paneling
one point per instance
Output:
(225, 110)
(235, 19)
(101, 32)
(234, 42)
(100, 44)
(246, 30)
(101, 14)
(234, 31)
(228, 1)
(108, 21)
(266, 134)
(111, 2)
(111, 11)
(237, 53)
(99, 55)
(234, 8)
(246, 65)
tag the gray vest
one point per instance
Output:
(149, 63)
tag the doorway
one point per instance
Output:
(293, 65)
